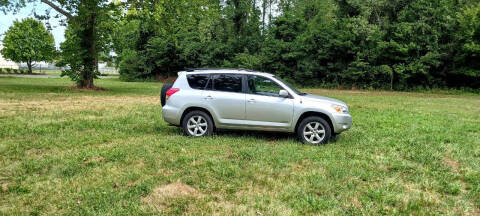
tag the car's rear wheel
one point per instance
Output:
(314, 130)
(163, 93)
(197, 123)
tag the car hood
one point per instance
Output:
(312, 97)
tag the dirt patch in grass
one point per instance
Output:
(355, 202)
(453, 164)
(36, 152)
(229, 208)
(165, 172)
(157, 199)
(415, 191)
(94, 160)
(95, 88)
(196, 162)
(133, 183)
(4, 187)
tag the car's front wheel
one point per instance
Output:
(197, 123)
(314, 130)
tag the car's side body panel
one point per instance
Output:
(226, 106)
(269, 110)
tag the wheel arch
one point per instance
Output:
(315, 113)
(193, 108)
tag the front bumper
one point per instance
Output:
(342, 122)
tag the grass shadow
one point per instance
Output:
(263, 135)
(64, 85)
(267, 136)
(36, 88)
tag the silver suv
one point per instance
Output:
(203, 100)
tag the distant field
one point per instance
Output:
(58, 72)
(64, 151)
(49, 72)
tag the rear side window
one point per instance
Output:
(227, 82)
(198, 81)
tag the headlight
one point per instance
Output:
(340, 109)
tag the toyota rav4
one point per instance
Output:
(203, 100)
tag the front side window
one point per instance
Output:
(198, 81)
(227, 82)
(263, 86)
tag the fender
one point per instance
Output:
(198, 105)
(304, 106)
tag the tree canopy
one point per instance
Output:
(28, 41)
(352, 43)
(86, 36)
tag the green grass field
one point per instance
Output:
(48, 72)
(65, 151)
(58, 72)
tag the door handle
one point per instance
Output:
(251, 100)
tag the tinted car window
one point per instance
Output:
(227, 82)
(197, 81)
(263, 86)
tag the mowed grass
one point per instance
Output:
(65, 151)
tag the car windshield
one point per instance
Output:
(290, 86)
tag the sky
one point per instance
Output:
(6, 20)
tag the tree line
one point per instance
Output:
(385, 44)
(353, 43)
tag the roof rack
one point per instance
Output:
(199, 69)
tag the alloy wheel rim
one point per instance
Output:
(197, 125)
(314, 132)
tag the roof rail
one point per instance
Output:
(198, 69)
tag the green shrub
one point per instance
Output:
(245, 60)
(131, 66)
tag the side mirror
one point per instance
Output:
(283, 93)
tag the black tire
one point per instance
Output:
(314, 119)
(205, 116)
(163, 93)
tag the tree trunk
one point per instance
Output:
(90, 57)
(391, 79)
(270, 13)
(237, 17)
(264, 11)
(29, 64)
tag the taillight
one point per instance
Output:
(170, 92)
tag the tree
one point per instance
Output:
(468, 36)
(28, 41)
(86, 37)
(387, 44)
(162, 37)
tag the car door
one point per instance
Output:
(225, 96)
(264, 105)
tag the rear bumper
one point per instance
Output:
(342, 122)
(171, 115)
